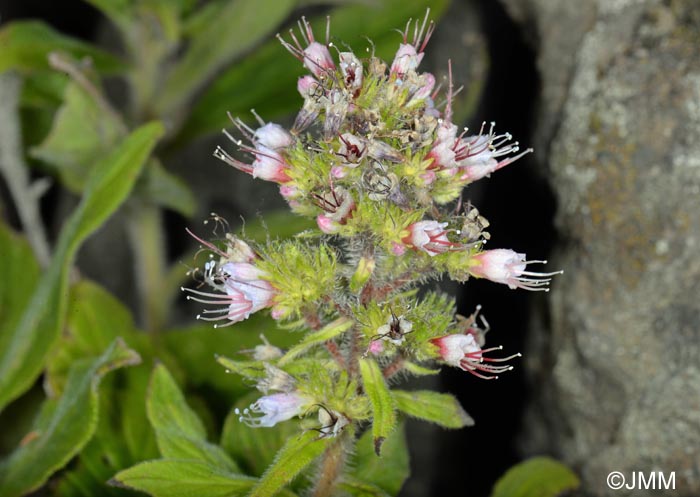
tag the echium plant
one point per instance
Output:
(381, 168)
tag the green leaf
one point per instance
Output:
(418, 370)
(25, 46)
(179, 432)
(183, 478)
(536, 477)
(24, 348)
(383, 413)
(64, 426)
(254, 448)
(389, 471)
(361, 489)
(440, 408)
(328, 332)
(238, 26)
(297, 454)
(19, 272)
(166, 189)
(275, 71)
(81, 133)
(94, 319)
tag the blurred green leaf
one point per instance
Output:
(94, 319)
(238, 26)
(24, 347)
(253, 448)
(383, 413)
(44, 90)
(196, 348)
(536, 477)
(187, 478)
(179, 432)
(359, 488)
(25, 46)
(266, 80)
(123, 435)
(418, 370)
(388, 471)
(81, 133)
(64, 426)
(165, 189)
(19, 272)
(440, 408)
(297, 454)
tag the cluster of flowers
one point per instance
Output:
(373, 159)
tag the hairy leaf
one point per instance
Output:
(183, 478)
(297, 454)
(328, 332)
(383, 413)
(440, 408)
(63, 426)
(536, 477)
(389, 471)
(179, 431)
(26, 345)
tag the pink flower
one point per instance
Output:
(409, 55)
(351, 68)
(269, 164)
(509, 267)
(430, 237)
(243, 291)
(269, 410)
(462, 351)
(337, 205)
(273, 136)
(315, 56)
(478, 156)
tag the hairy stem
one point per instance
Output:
(332, 463)
(24, 194)
(147, 242)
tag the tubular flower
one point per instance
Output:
(509, 267)
(243, 292)
(429, 237)
(269, 410)
(478, 156)
(315, 56)
(337, 206)
(409, 55)
(241, 286)
(462, 351)
(269, 141)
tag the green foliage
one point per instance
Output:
(536, 477)
(439, 408)
(25, 46)
(386, 472)
(179, 432)
(188, 478)
(63, 426)
(292, 458)
(383, 411)
(25, 347)
(328, 332)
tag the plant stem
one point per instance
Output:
(15, 170)
(331, 467)
(145, 227)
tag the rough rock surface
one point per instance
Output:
(619, 134)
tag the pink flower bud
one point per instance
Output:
(429, 237)
(273, 136)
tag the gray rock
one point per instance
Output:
(619, 133)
